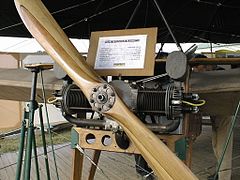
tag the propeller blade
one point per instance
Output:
(47, 32)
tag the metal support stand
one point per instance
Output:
(30, 136)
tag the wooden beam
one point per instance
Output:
(218, 61)
(77, 165)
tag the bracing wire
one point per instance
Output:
(55, 12)
(67, 9)
(40, 154)
(167, 25)
(133, 14)
(91, 161)
(14, 45)
(148, 173)
(48, 124)
(90, 1)
(11, 26)
(216, 4)
(96, 14)
(72, 7)
(206, 31)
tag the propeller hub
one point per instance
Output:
(102, 98)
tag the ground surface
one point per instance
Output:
(122, 166)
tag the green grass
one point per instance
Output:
(11, 144)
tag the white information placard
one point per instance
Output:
(121, 52)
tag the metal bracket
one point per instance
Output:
(74, 138)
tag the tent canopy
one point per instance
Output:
(190, 20)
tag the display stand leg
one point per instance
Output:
(77, 165)
(30, 137)
(21, 148)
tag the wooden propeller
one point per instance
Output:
(47, 32)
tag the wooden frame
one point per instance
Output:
(79, 137)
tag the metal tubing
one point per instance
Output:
(35, 156)
(34, 84)
(49, 128)
(32, 108)
(84, 122)
(172, 126)
(28, 151)
(21, 148)
(44, 142)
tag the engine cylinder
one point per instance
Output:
(151, 101)
(167, 102)
(74, 100)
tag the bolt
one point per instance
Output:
(99, 109)
(91, 101)
(195, 96)
(94, 89)
(105, 86)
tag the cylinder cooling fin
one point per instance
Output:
(166, 102)
(151, 101)
(73, 100)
